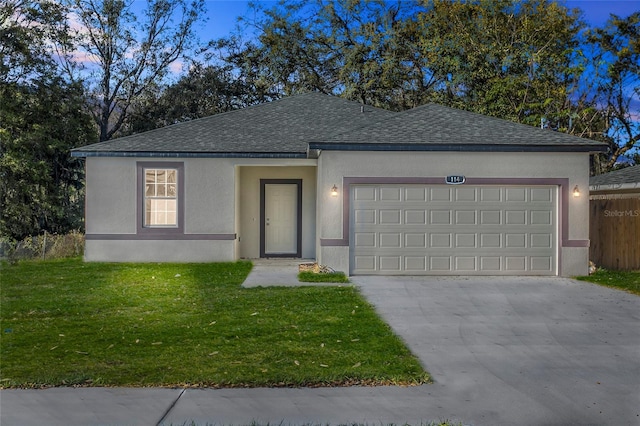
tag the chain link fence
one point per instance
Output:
(45, 246)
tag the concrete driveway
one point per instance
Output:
(537, 351)
(503, 351)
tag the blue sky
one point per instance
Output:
(596, 12)
(222, 14)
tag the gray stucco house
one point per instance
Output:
(432, 190)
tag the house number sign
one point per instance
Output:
(455, 180)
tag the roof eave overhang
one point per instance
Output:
(157, 154)
(598, 188)
(329, 146)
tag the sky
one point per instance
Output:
(222, 14)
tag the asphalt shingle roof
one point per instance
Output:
(434, 124)
(282, 126)
(622, 176)
(290, 126)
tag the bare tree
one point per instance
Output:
(121, 52)
(618, 88)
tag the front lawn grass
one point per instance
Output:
(98, 324)
(624, 280)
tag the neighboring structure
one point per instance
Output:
(432, 190)
(623, 183)
(615, 219)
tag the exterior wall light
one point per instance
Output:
(334, 191)
(576, 191)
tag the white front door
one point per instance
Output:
(281, 219)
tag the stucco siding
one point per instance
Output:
(335, 257)
(110, 196)
(181, 251)
(209, 196)
(574, 261)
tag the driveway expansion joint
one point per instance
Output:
(173, 404)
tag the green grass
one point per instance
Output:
(96, 324)
(624, 280)
(330, 277)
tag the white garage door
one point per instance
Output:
(453, 230)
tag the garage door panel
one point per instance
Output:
(541, 217)
(455, 265)
(542, 195)
(465, 194)
(365, 216)
(415, 194)
(454, 244)
(491, 217)
(390, 217)
(465, 263)
(515, 194)
(390, 240)
(440, 217)
(491, 195)
(516, 241)
(516, 217)
(541, 241)
(465, 217)
(440, 194)
(541, 263)
(415, 240)
(364, 193)
(390, 193)
(390, 263)
(415, 264)
(516, 263)
(419, 229)
(490, 264)
(466, 240)
(365, 264)
(415, 217)
(365, 239)
(490, 241)
(440, 241)
(440, 263)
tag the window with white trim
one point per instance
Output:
(160, 198)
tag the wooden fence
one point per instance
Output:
(614, 231)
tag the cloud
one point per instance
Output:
(176, 67)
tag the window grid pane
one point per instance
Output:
(161, 198)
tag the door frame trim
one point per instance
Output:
(298, 183)
(477, 182)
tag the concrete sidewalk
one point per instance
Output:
(277, 272)
(502, 351)
(269, 272)
(133, 406)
